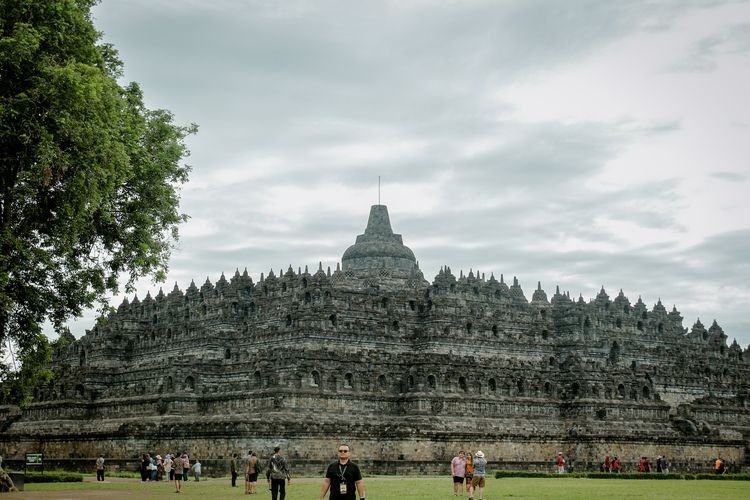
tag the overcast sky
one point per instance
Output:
(578, 143)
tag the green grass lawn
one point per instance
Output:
(415, 488)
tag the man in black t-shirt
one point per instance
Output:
(342, 478)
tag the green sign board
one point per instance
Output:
(34, 458)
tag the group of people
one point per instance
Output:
(611, 465)
(644, 464)
(277, 473)
(719, 466)
(471, 470)
(174, 467)
(343, 478)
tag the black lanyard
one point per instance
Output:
(341, 473)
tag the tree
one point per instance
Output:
(89, 177)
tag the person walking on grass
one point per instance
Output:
(278, 475)
(100, 468)
(560, 461)
(252, 469)
(185, 467)
(458, 470)
(177, 474)
(480, 471)
(168, 464)
(233, 469)
(145, 462)
(469, 473)
(343, 478)
(197, 470)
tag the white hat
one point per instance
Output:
(479, 454)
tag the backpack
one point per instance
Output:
(276, 472)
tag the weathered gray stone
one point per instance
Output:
(405, 370)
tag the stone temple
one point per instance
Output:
(405, 370)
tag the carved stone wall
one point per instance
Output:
(404, 369)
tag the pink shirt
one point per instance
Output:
(459, 466)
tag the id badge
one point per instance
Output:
(342, 488)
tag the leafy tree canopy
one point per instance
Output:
(89, 177)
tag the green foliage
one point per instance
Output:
(631, 475)
(89, 177)
(625, 475)
(525, 473)
(724, 477)
(34, 349)
(54, 477)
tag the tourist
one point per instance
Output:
(233, 469)
(100, 468)
(168, 466)
(665, 465)
(560, 461)
(152, 469)
(177, 473)
(159, 468)
(659, 465)
(252, 469)
(197, 470)
(607, 464)
(277, 475)
(185, 466)
(343, 477)
(616, 465)
(480, 466)
(145, 461)
(458, 470)
(469, 473)
(719, 465)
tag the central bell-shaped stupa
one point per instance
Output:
(379, 248)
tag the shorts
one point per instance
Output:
(251, 478)
(468, 479)
(478, 481)
(458, 479)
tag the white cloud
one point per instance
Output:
(580, 143)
